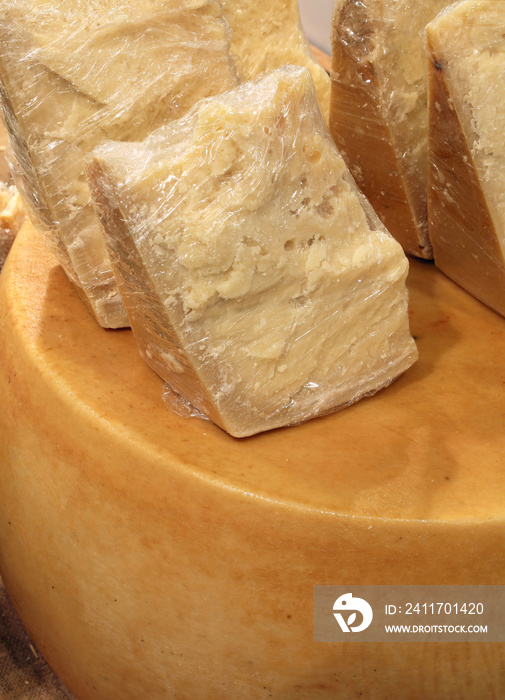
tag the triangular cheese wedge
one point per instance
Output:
(378, 114)
(466, 48)
(259, 282)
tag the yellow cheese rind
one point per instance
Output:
(466, 197)
(266, 35)
(114, 512)
(74, 74)
(259, 283)
(378, 113)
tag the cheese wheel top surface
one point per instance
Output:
(427, 448)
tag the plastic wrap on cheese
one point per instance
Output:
(76, 72)
(5, 173)
(259, 282)
(12, 215)
(11, 209)
(466, 196)
(378, 114)
(267, 35)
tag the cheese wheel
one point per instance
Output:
(155, 556)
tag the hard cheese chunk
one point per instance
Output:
(466, 46)
(76, 73)
(378, 114)
(267, 35)
(259, 283)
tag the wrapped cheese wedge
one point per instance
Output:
(259, 282)
(76, 73)
(466, 47)
(378, 114)
(267, 35)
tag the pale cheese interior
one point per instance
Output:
(469, 41)
(267, 35)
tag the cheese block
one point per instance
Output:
(76, 73)
(378, 114)
(259, 283)
(152, 556)
(466, 49)
(268, 35)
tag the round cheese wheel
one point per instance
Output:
(154, 556)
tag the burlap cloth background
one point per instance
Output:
(24, 675)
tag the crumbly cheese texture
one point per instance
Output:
(466, 47)
(77, 73)
(379, 108)
(259, 282)
(267, 35)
